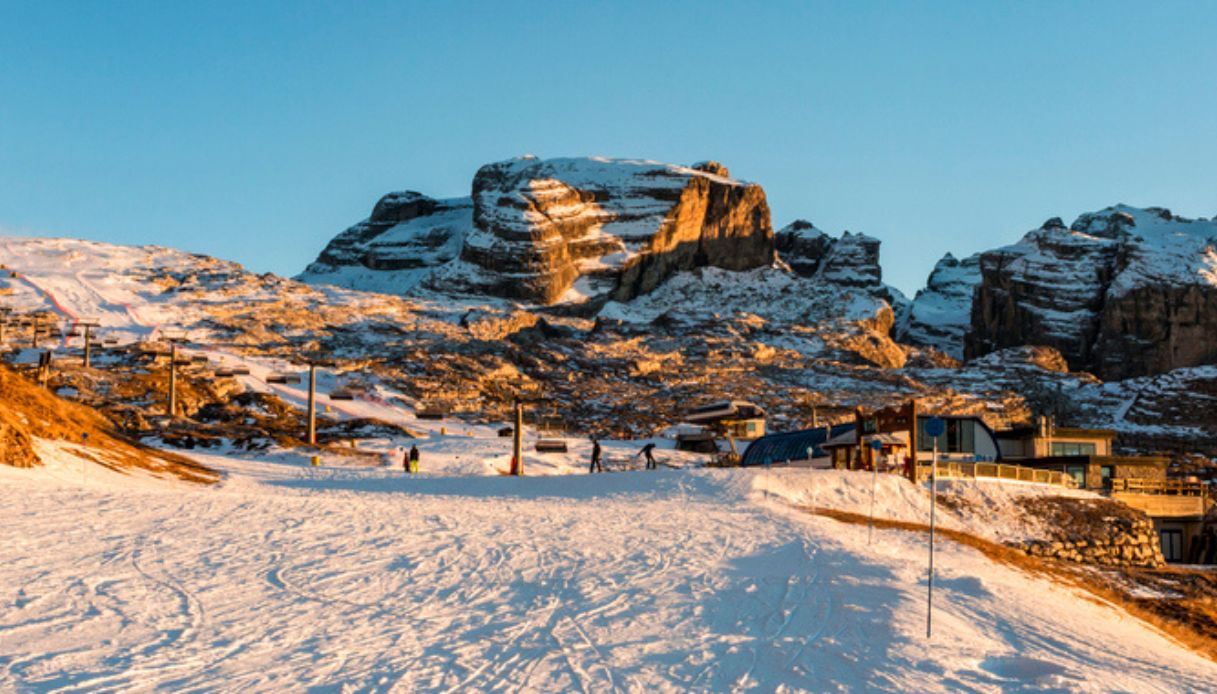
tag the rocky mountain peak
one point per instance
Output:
(402, 207)
(1124, 291)
(712, 167)
(569, 230)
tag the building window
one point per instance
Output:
(1172, 545)
(1078, 472)
(959, 437)
(1064, 448)
(1105, 471)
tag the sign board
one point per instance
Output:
(935, 426)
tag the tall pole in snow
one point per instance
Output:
(875, 445)
(517, 447)
(172, 380)
(929, 610)
(934, 428)
(312, 404)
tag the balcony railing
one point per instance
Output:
(997, 471)
(1134, 485)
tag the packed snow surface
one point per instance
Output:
(361, 578)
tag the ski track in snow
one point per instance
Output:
(286, 578)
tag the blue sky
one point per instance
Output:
(257, 131)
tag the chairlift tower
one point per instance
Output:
(88, 327)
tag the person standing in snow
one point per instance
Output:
(405, 460)
(413, 458)
(595, 466)
(647, 451)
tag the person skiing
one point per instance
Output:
(595, 466)
(413, 458)
(647, 451)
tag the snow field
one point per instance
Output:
(286, 577)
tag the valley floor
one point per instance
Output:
(292, 578)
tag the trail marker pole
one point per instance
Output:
(935, 428)
(172, 380)
(312, 404)
(517, 447)
(875, 445)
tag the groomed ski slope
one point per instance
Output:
(288, 578)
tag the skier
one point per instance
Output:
(650, 456)
(595, 466)
(413, 458)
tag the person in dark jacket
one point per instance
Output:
(413, 458)
(595, 466)
(648, 452)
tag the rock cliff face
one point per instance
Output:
(557, 231)
(848, 262)
(407, 235)
(575, 230)
(1121, 292)
(940, 316)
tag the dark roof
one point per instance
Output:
(791, 445)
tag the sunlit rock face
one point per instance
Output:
(1121, 292)
(556, 231)
(573, 230)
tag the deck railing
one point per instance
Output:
(997, 471)
(1174, 487)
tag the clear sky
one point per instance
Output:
(255, 131)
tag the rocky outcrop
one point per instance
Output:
(579, 230)
(407, 235)
(802, 246)
(940, 315)
(556, 231)
(849, 261)
(1121, 292)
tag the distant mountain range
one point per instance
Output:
(1121, 292)
(627, 292)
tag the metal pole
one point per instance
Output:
(312, 404)
(88, 328)
(37, 320)
(517, 448)
(929, 612)
(874, 481)
(173, 380)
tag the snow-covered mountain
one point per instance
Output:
(557, 231)
(940, 315)
(1121, 292)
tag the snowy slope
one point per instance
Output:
(289, 578)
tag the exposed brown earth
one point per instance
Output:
(28, 412)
